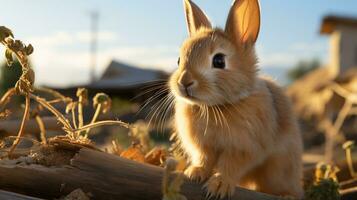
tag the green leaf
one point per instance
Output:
(325, 189)
(9, 57)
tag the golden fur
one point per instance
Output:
(235, 127)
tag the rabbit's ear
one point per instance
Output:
(243, 21)
(195, 17)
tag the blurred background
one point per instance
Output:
(148, 34)
(123, 47)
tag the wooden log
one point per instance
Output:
(15, 196)
(103, 176)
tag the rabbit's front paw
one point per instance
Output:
(219, 187)
(196, 173)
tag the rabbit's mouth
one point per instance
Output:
(194, 99)
(188, 92)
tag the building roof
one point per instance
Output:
(330, 22)
(120, 75)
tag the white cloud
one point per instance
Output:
(293, 54)
(160, 57)
(311, 47)
(63, 58)
(59, 38)
(276, 59)
(103, 36)
(62, 38)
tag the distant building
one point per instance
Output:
(343, 41)
(127, 81)
(310, 94)
(121, 79)
(314, 96)
(118, 76)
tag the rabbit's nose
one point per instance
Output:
(186, 85)
(185, 80)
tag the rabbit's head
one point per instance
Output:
(218, 66)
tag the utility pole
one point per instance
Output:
(94, 44)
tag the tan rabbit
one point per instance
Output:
(236, 128)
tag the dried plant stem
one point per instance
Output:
(95, 116)
(54, 93)
(343, 114)
(102, 123)
(22, 59)
(340, 91)
(350, 162)
(74, 120)
(54, 111)
(24, 85)
(54, 101)
(80, 111)
(21, 130)
(348, 190)
(333, 131)
(6, 97)
(41, 125)
(347, 182)
(97, 112)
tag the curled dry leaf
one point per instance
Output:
(82, 93)
(134, 152)
(18, 45)
(103, 100)
(157, 156)
(5, 33)
(9, 57)
(2, 144)
(29, 49)
(348, 145)
(77, 194)
(5, 114)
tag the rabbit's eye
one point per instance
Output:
(219, 61)
(178, 61)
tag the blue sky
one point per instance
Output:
(148, 33)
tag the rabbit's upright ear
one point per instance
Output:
(243, 21)
(195, 17)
